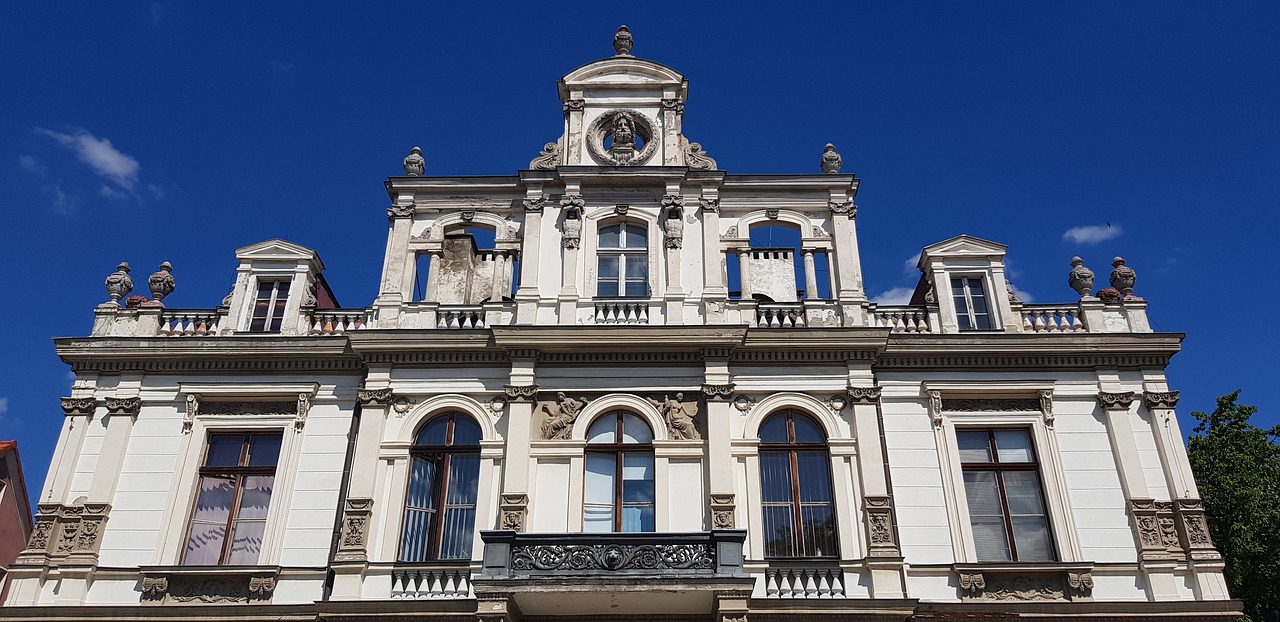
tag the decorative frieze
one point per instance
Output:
(613, 557)
(355, 530)
(1160, 399)
(1147, 529)
(211, 585)
(521, 392)
(1193, 530)
(1115, 401)
(991, 405)
(864, 395)
(515, 509)
(718, 392)
(1024, 587)
(375, 397)
(43, 532)
(722, 511)
(1167, 529)
(79, 406)
(127, 406)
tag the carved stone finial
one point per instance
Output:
(623, 42)
(548, 159)
(161, 283)
(118, 283)
(1081, 278)
(831, 161)
(1123, 277)
(414, 165)
(696, 159)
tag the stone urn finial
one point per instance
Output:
(118, 283)
(161, 283)
(414, 165)
(1080, 278)
(623, 42)
(1123, 277)
(831, 161)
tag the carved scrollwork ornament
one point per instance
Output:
(697, 159)
(864, 395)
(718, 392)
(1115, 401)
(843, 208)
(535, 205)
(123, 405)
(709, 204)
(520, 392)
(1160, 399)
(375, 397)
(549, 159)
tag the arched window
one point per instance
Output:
(440, 509)
(623, 261)
(795, 487)
(618, 485)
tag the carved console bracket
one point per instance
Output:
(1025, 582)
(722, 511)
(167, 585)
(68, 532)
(128, 406)
(79, 406)
(1193, 531)
(864, 395)
(718, 392)
(1153, 528)
(1115, 401)
(521, 392)
(515, 509)
(355, 531)
(375, 397)
(1160, 399)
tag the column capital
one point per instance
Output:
(375, 397)
(1160, 399)
(1115, 401)
(79, 406)
(123, 405)
(864, 395)
(718, 392)
(521, 392)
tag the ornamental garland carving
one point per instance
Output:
(1115, 401)
(248, 408)
(520, 392)
(79, 406)
(515, 506)
(864, 395)
(355, 522)
(879, 510)
(375, 397)
(613, 557)
(988, 405)
(1160, 399)
(209, 588)
(718, 392)
(123, 405)
(1024, 588)
(722, 511)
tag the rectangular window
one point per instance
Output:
(230, 512)
(1006, 502)
(268, 307)
(971, 303)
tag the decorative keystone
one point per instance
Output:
(118, 283)
(831, 161)
(414, 164)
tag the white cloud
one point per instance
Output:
(4, 406)
(1091, 234)
(63, 203)
(895, 296)
(109, 162)
(31, 164)
(1024, 296)
(111, 193)
(910, 265)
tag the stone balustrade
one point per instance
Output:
(190, 322)
(621, 312)
(1052, 319)
(804, 583)
(780, 315)
(901, 318)
(338, 321)
(461, 317)
(431, 583)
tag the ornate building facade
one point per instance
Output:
(621, 384)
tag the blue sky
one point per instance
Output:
(162, 131)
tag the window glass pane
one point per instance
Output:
(204, 545)
(610, 236)
(815, 476)
(1031, 534)
(422, 484)
(224, 450)
(413, 541)
(986, 515)
(609, 266)
(434, 433)
(957, 288)
(635, 430)
(1022, 492)
(1014, 446)
(603, 430)
(464, 479)
(636, 289)
(989, 539)
(255, 497)
(597, 484)
(635, 237)
(807, 430)
(637, 519)
(775, 476)
(983, 321)
(779, 534)
(975, 445)
(246, 543)
(637, 478)
(774, 429)
(459, 527)
(465, 432)
(264, 449)
(819, 528)
(213, 502)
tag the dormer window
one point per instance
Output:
(268, 307)
(972, 310)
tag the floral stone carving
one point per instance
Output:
(613, 557)
(161, 283)
(1080, 278)
(548, 159)
(118, 283)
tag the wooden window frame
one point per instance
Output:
(999, 468)
(271, 322)
(239, 473)
(447, 451)
(793, 449)
(967, 311)
(618, 450)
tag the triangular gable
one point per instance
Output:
(961, 246)
(279, 250)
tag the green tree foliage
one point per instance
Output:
(1237, 468)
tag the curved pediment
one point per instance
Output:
(622, 71)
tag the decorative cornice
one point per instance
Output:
(123, 405)
(375, 397)
(1115, 401)
(1020, 361)
(79, 406)
(864, 395)
(1160, 399)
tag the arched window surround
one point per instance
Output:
(594, 220)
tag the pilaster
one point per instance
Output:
(527, 294)
(714, 292)
(521, 395)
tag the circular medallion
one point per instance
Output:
(621, 138)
